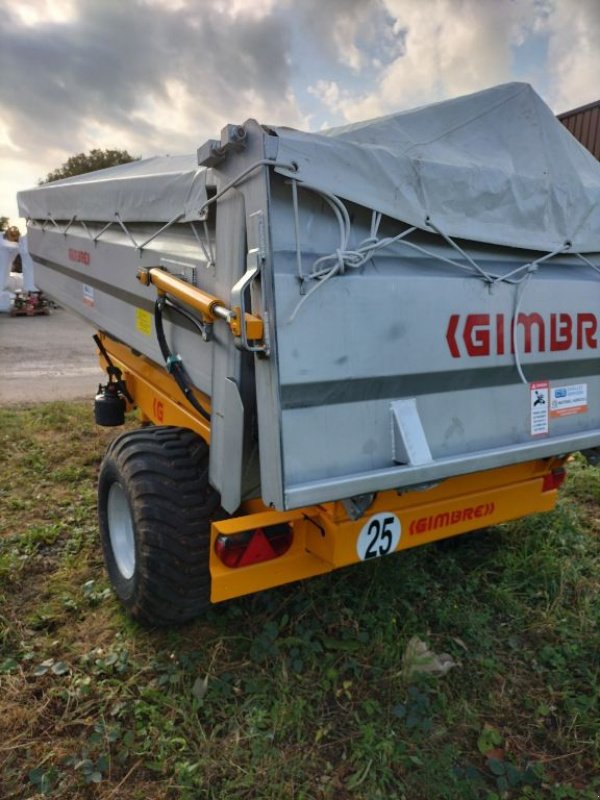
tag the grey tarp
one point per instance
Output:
(153, 190)
(495, 166)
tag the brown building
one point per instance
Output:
(584, 124)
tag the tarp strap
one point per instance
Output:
(207, 248)
(263, 162)
(588, 262)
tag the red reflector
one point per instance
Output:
(254, 547)
(554, 480)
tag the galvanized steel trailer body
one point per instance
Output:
(354, 353)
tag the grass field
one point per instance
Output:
(308, 691)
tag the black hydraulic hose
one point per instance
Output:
(173, 362)
(112, 370)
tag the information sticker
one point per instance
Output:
(539, 402)
(567, 400)
(88, 296)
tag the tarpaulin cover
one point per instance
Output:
(153, 190)
(495, 166)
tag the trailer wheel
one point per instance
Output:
(154, 508)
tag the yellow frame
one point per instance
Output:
(324, 536)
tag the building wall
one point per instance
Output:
(584, 124)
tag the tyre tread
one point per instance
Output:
(166, 473)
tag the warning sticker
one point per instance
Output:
(88, 296)
(143, 322)
(539, 407)
(567, 400)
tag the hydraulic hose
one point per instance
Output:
(173, 362)
(112, 371)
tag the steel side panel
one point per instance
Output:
(343, 357)
(107, 294)
(374, 336)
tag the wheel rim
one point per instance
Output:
(120, 529)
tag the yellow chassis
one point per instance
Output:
(324, 535)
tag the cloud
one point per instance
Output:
(158, 79)
(32, 12)
(453, 47)
(334, 26)
(573, 57)
(329, 93)
(235, 8)
(161, 76)
(354, 33)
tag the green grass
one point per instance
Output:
(300, 692)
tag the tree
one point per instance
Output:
(89, 162)
(3, 223)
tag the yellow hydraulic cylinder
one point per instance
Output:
(210, 307)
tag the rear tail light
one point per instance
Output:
(554, 480)
(254, 547)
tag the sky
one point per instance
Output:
(162, 76)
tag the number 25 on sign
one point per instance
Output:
(379, 536)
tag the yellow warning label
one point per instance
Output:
(143, 322)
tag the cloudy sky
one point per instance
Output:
(161, 76)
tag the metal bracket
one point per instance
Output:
(238, 306)
(409, 441)
(357, 505)
(254, 261)
(180, 269)
(213, 151)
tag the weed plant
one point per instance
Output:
(299, 692)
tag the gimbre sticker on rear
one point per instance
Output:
(567, 400)
(143, 322)
(379, 536)
(538, 395)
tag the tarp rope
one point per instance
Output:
(345, 258)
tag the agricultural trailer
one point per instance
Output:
(340, 345)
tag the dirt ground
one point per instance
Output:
(47, 358)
